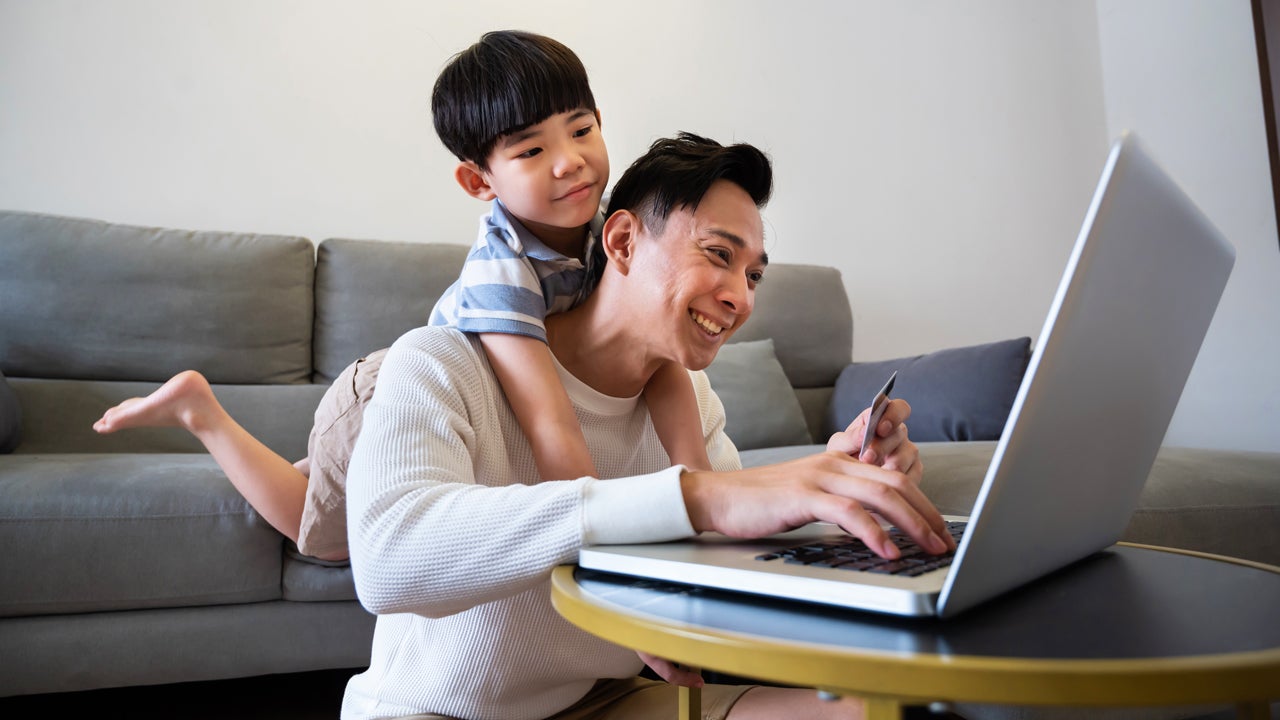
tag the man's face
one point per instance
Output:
(702, 268)
(551, 176)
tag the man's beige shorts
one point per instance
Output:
(637, 699)
(333, 436)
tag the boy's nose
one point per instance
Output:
(569, 162)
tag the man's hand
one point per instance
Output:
(833, 487)
(671, 672)
(889, 448)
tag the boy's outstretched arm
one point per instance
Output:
(674, 409)
(537, 397)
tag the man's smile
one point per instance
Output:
(707, 323)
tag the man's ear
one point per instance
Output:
(618, 239)
(472, 180)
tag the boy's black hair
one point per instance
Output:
(677, 172)
(504, 83)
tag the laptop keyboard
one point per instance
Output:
(853, 554)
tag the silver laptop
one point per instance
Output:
(1124, 329)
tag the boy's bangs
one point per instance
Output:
(517, 106)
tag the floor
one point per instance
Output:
(302, 696)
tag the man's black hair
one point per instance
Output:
(504, 83)
(677, 172)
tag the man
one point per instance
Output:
(453, 535)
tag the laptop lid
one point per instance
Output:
(1123, 331)
(1133, 306)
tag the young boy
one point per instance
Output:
(518, 112)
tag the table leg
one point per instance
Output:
(690, 702)
(1253, 711)
(883, 708)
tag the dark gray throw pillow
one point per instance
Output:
(10, 417)
(956, 394)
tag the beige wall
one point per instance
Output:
(940, 154)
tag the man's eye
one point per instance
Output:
(755, 277)
(721, 253)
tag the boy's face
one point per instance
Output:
(550, 176)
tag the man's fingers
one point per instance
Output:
(896, 412)
(894, 496)
(854, 519)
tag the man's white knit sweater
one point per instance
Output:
(453, 536)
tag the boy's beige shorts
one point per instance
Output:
(333, 436)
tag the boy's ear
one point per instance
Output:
(618, 239)
(472, 180)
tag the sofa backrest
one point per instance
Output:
(368, 293)
(806, 310)
(91, 300)
(92, 313)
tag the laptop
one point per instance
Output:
(1139, 291)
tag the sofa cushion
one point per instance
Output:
(760, 408)
(10, 417)
(98, 301)
(806, 311)
(956, 394)
(309, 579)
(370, 293)
(84, 532)
(60, 414)
(1225, 502)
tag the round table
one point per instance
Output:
(1132, 625)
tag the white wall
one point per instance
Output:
(1184, 74)
(940, 154)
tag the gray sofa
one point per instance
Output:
(129, 559)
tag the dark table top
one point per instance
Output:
(1135, 613)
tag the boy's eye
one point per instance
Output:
(529, 153)
(582, 132)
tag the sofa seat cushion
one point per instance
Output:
(107, 532)
(309, 579)
(1223, 502)
(10, 417)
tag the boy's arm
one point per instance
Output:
(674, 409)
(528, 376)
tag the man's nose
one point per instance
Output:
(737, 296)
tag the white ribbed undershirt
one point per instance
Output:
(454, 554)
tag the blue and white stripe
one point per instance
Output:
(511, 281)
